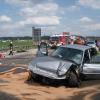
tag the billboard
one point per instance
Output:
(36, 34)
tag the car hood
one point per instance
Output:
(50, 64)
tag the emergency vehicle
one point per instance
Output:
(58, 39)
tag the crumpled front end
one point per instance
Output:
(52, 70)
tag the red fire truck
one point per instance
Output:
(59, 39)
(65, 38)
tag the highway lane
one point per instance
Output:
(18, 58)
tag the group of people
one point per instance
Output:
(43, 43)
(78, 41)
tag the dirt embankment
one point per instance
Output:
(13, 86)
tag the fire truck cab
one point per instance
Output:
(58, 40)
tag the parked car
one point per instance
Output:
(68, 62)
(92, 44)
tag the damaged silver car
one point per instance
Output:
(69, 62)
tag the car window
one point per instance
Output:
(96, 59)
(91, 42)
(71, 54)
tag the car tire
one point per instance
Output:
(29, 76)
(73, 80)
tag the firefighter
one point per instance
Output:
(11, 48)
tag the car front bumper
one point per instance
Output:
(46, 74)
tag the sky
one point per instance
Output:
(79, 17)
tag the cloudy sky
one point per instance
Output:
(17, 17)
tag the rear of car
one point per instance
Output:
(92, 44)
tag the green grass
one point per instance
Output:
(17, 44)
(99, 52)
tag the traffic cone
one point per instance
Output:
(2, 56)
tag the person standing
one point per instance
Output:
(97, 45)
(11, 48)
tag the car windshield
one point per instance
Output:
(69, 54)
(90, 42)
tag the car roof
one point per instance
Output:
(79, 47)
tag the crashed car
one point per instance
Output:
(71, 63)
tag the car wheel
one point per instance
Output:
(73, 80)
(31, 76)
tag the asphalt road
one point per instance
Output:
(18, 58)
(11, 61)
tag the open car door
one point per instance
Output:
(42, 49)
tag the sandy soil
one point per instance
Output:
(13, 86)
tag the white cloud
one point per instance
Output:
(40, 10)
(93, 27)
(42, 21)
(86, 19)
(45, 21)
(95, 4)
(48, 7)
(14, 29)
(10, 27)
(89, 24)
(5, 18)
(41, 13)
(28, 12)
(26, 2)
(73, 8)
(18, 2)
